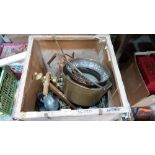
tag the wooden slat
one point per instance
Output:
(81, 114)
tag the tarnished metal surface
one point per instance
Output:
(92, 70)
(81, 95)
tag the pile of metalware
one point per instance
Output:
(82, 83)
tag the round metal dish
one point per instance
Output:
(92, 70)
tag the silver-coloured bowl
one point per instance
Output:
(92, 70)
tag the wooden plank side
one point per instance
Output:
(117, 73)
(67, 37)
(81, 114)
(106, 117)
(18, 104)
(32, 85)
(68, 44)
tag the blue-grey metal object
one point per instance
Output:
(48, 103)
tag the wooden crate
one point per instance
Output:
(98, 47)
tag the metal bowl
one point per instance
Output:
(92, 70)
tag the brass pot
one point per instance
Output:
(81, 95)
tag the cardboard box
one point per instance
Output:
(136, 89)
(40, 49)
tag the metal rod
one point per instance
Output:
(51, 59)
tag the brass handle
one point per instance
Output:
(46, 83)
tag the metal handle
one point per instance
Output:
(107, 86)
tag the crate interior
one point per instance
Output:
(42, 51)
